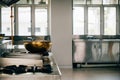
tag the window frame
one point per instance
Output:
(32, 6)
(0, 21)
(117, 6)
(32, 16)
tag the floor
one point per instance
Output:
(90, 74)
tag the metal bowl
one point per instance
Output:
(37, 46)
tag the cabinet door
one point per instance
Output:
(93, 51)
(79, 50)
(110, 52)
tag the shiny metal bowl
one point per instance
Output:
(37, 46)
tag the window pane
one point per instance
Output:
(79, 1)
(78, 21)
(24, 21)
(93, 21)
(109, 21)
(110, 1)
(24, 2)
(6, 21)
(41, 1)
(94, 1)
(41, 21)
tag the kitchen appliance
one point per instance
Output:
(39, 46)
(13, 69)
(18, 63)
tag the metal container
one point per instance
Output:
(37, 46)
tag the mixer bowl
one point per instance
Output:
(37, 46)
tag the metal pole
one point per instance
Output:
(12, 25)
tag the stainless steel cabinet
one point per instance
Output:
(96, 51)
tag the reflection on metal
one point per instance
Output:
(110, 51)
(110, 46)
(94, 51)
(5, 47)
(79, 53)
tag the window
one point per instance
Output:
(78, 20)
(79, 1)
(94, 21)
(41, 21)
(110, 1)
(31, 18)
(6, 21)
(29, 29)
(109, 21)
(41, 1)
(25, 2)
(37, 29)
(24, 21)
(94, 1)
(96, 17)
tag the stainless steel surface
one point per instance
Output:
(18, 61)
(19, 57)
(96, 51)
(24, 55)
(5, 47)
(55, 75)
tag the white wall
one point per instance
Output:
(61, 31)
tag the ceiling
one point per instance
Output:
(7, 3)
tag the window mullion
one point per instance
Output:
(119, 17)
(48, 19)
(32, 20)
(101, 20)
(117, 20)
(16, 20)
(86, 20)
(0, 21)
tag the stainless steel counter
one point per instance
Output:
(112, 40)
(96, 51)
